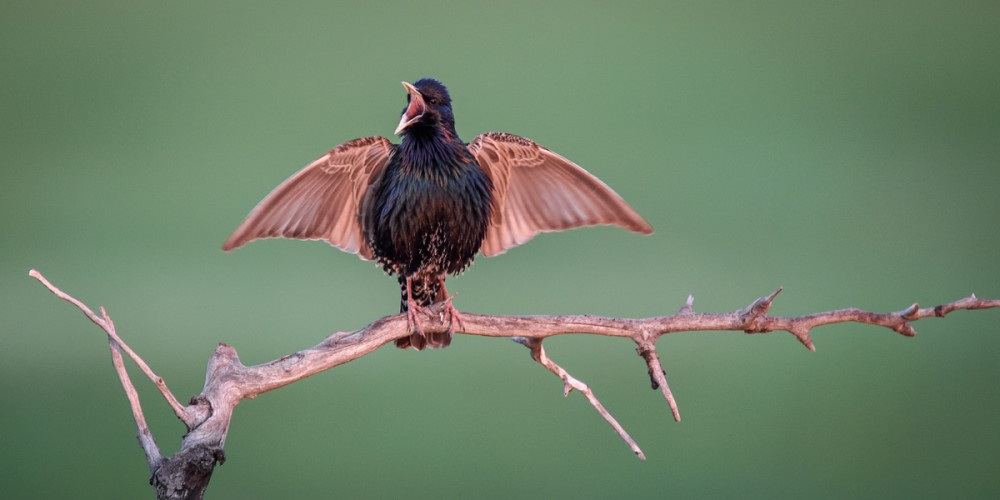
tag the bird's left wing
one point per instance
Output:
(322, 200)
(536, 190)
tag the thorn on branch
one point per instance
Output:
(688, 307)
(802, 334)
(657, 375)
(905, 329)
(754, 315)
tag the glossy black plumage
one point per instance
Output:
(424, 208)
(429, 213)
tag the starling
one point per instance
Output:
(422, 209)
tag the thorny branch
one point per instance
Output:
(227, 382)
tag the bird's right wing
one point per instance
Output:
(321, 201)
(536, 190)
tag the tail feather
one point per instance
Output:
(425, 292)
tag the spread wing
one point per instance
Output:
(321, 201)
(536, 190)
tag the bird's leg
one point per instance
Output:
(449, 309)
(411, 311)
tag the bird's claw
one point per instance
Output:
(412, 323)
(448, 311)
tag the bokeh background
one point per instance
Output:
(848, 152)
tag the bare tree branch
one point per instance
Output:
(228, 381)
(105, 323)
(570, 383)
(153, 456)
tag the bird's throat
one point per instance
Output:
(431, 154)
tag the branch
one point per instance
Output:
(570, 383)
(142, 432)
(105, 323)
(228, 381)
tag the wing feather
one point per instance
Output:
(536, 190)
(321, 201)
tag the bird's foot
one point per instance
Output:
(412, 321)
(449, 312)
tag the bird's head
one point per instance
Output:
(428, 107)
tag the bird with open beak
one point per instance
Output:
(422, 209)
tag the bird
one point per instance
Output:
(424, 208)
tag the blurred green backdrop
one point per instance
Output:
(848, 152)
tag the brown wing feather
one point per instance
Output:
(321, 201)
(536, 190)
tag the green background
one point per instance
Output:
(848, 152)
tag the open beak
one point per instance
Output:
(414, 111)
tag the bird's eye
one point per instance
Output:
(432, 101)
